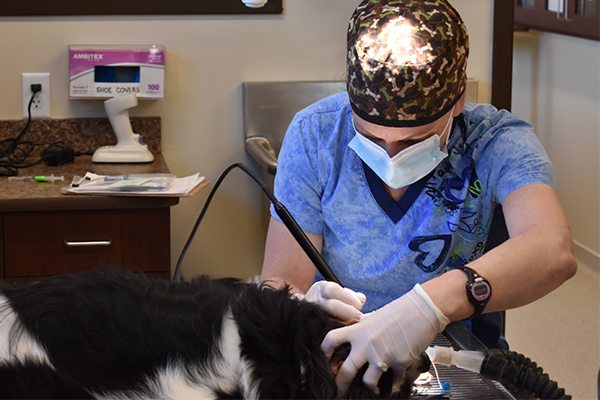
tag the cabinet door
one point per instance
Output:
(570, 17)
(56, 242)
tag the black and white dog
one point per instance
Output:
(111, 334)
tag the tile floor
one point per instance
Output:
(560, 332)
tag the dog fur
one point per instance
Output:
(111, 334)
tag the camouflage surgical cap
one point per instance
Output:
(407, 61)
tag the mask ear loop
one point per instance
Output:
(449, 123)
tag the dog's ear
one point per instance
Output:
(318, 379)
(281, 341)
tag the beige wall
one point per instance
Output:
(556, 87)
(208, 58)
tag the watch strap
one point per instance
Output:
(478, 289)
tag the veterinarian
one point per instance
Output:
(396, 181)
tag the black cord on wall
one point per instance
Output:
(14, 152)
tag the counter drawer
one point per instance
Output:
(45, 243)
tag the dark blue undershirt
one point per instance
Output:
(394, 210)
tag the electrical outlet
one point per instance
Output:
(40, 107)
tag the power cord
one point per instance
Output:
(281, 211)
(14, 152)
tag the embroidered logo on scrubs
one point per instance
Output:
(432, 251)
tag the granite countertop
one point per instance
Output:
(83, 135)
(37, 196)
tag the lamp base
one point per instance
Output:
(122, 154)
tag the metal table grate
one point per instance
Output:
(464, 384)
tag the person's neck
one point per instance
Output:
(395, 194)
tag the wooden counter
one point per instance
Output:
(44, 232)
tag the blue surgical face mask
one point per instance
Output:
(406, 167)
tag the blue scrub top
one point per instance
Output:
(380, 247)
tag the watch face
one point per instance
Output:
(480, 291)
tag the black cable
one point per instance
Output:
(15, 150)
(283, 213)
(177, 273)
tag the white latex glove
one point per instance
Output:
(341, 303)
(391, 337)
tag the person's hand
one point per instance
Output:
(341, 303)
(391, 337)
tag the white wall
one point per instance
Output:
(208, 58)
(556, 87)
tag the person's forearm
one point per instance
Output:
(520, 271)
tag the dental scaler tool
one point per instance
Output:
(129, 148)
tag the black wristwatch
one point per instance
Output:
(479, 290)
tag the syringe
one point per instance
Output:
(37, 178)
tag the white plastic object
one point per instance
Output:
(129, 148)
(465, 359)
(126, 183)
(254, 3)
(40, 106)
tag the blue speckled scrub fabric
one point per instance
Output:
(382, 248)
